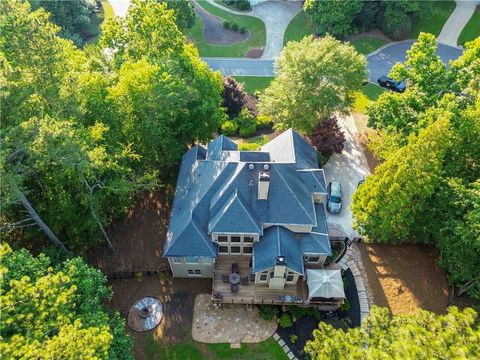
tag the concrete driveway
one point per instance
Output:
(456, 22)
(348, 167)
(380, 62)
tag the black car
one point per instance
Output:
(388, 83)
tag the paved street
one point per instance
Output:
(241, 67)
(378, 63)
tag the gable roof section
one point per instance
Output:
(217, 146)
(277, 241)
(291, 147)
(314, 179)
(314, 243)
(234, 217)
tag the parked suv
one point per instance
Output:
(334, 204)
(388, 83)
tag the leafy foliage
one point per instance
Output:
(315, 78)
(246, 122)
(229, 128)
(184, 14)
(327, 137)
(421, 335)
(427, 188)
(268, 312)
(333, 17)
(73, 17)
(56, 313)
(285, 320)
(233, 96)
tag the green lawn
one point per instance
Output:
(255, 27)
(366, 44)
(369, 92)
(253, 143)
(433, 21)
(299, 27)
(254, 83)
(191, 350)
(472, 29)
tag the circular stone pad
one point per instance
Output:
(145, 314)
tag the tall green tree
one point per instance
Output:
(315, 79)
(333, 17)
(56, 312)
(167, 97)
(421, 335)
(184, 14)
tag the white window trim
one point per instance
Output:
(177, 260)
(194, 275)
(207, 260)
(192, 263)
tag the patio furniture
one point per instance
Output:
(225, 278)
(234, 288)
(234, 278)
(245, 280)
(218, 296)
(235, 268)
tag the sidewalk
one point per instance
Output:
(456, 22)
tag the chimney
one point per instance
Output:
(263, 185)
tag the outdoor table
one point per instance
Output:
(234, 278)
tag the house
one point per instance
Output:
(264, 210)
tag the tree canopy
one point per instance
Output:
(84, 130)
(56, 312)
(315, 79)
(421, 335)
(426, 190)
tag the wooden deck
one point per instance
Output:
(251, 293)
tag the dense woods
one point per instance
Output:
(84, 130)
(428, 189)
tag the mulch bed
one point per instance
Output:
(214, 32)
(255, 53)
(304, 326)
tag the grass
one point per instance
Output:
(191, 350)
(433, 20)
(254, 83)
(472, 30)
(299, 27)
(253, 143)
(254, 26)
(366, 44)
(369, 93)
(233, 7)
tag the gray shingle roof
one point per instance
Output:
(314, 179)
(217, 191)
(277, 241)
(313, 243)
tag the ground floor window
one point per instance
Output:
(290, 276)
(263, 277)
(223, 249)
(313, 259)
(194, 272)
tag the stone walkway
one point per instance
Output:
(284, 347)
(276, 15)
(352, 259)
(456, 22)
(232, 323)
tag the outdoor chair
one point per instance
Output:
(218, 296)
(245, 280)
(234, 288)
(235, 268)
(225, 278)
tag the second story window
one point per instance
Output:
(191, 260)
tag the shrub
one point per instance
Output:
(243, 5)
(285, 320)
(243, 30)
(229, 127)
(268, 312)
(264, 121)
(397, 25)
(298, 312)
(233, 96)
(245, 118)
(248, 146)
(234, 27)
(345, 306)
(226, 24)
(321, 159)
(327, 137)
(248, 130)
(293, 338)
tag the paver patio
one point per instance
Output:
(232, 324)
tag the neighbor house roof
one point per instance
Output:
(217, 192)
(277, 241)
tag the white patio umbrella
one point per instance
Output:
(325, 284)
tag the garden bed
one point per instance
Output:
(303, 327)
